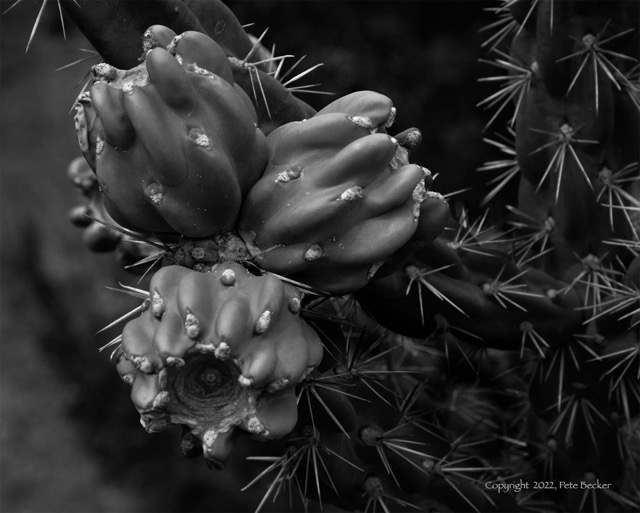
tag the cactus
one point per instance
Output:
(214, 351)
(316, 292)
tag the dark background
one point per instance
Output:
(70, 438)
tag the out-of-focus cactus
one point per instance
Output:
(469, 364)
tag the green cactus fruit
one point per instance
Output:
(338, 198)
(177, 147)
(218, 351)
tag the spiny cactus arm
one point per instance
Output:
(480, 293)
(569, 148)
(114, 27)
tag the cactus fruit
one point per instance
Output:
(338, 198)
(215, 351)
(165, 156)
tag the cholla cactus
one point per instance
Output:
(315, 293)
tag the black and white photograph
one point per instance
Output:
(314, 256)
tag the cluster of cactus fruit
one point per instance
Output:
(311, 290)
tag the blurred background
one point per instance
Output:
(70, 437)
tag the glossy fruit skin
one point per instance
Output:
(174, 142)
(338, 197)
(218, 350)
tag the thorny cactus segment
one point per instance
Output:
(218, 351)
(114, 28)
(176, 145)
(338, 198)
(482, 298)
(577, 164)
